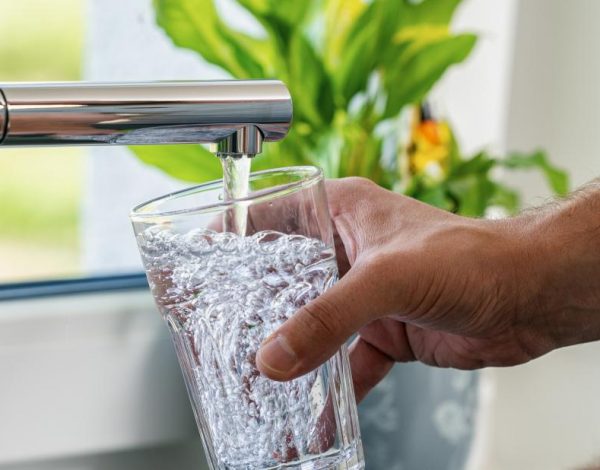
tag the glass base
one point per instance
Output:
(341, 459)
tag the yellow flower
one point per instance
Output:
(429, 151)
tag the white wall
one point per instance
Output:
(474, 94)
(555, 93)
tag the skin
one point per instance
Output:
(421, 284)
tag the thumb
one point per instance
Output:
(314, 333)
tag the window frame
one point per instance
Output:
(72, 286)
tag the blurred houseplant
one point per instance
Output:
(359, 72)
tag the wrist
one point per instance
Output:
(560, 255)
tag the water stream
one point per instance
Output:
(236, 173)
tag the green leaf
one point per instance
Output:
(367, 42)
(505, 197)
(280, 18)
(398, 49)
(309, 84)
(291, 151)
(361, 151)
(411, 72)
(557, 179)
(185, 162)
(436, 196)
(432, 12)
(481, 163)
(472, 194)
(471, 188)
(196, 25)
(339, 18)
(289, 12)
(365, 46)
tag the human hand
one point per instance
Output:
(427, 285)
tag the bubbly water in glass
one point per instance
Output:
(222, 295)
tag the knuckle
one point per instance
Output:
(346, 192)
(349, 188)
(358, 183)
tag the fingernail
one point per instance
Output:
(276, 355)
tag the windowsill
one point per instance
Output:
(72, 286)
(87, 373)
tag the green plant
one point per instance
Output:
(355, 69)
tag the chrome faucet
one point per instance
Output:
(235, 116)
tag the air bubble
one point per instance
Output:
(201, 242)
(231, 293)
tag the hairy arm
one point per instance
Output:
(565, 236)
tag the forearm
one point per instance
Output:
(562, 241)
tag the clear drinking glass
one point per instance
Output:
(222, 294)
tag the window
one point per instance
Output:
(64, 210)
(40, 189)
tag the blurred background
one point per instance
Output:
(89, 379)
(41, 190)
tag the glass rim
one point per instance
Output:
(312, 174)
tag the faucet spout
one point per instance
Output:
(234, 116)
(246, 141)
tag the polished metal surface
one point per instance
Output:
(3, 116)
(248, 140)
(235, 115)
